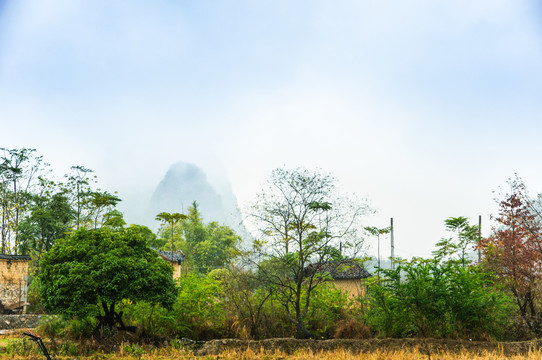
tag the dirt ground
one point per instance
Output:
(430, 346)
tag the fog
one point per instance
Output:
(424, 108)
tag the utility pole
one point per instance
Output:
(392, 244)
(479, 238)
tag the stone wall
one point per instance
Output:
(10, 322)
(13, 279)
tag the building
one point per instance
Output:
(175, 258)
(13, 281)
(348, 275)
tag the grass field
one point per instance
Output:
(14, 347)
(163, 354)
(277, 355)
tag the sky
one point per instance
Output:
(424, 108)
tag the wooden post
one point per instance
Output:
(392, 244)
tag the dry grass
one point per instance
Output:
(377, 355)
(382, 351)
(168, 354)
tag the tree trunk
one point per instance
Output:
(109, 319)
(302, 332)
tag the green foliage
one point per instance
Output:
(171, 220)
(304, 224)
(77, 329)
(328, 307)
(114, 219)
(196, 314)
(429, 298)
(52, 327)
(456, 247)
(89, 272)
(19, 174)
(50, 219)
(247, 303)
(153, 319)
(206, 246)
(198, 306)
(100, 204)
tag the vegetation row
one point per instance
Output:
(99, 277)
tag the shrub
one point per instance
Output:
(196, 314)
(328, 305)
(430, 298)
(351, 329)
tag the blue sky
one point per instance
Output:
(424, 107)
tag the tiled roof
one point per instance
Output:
(345, 270)
(178, 256)
(14, 257)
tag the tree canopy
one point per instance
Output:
(207, 246)
(91, 271)
(514, 252)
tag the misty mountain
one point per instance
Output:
(185, 183)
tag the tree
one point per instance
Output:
(100, 204)
(373, 230)
(217, 250)
(303, 223)
(19, 170)
(207, 246)
(465, 235)
(244, 297)
(514, 252)
(79, 186)
(91, 271)
(172, 220)
(50, 219)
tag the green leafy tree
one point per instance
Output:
(219, 247)
(456, 247)
(114, 219)
(171, 220)
(49, 220)
(19, 173)
(101, 203)
(303, 224)
(91, 271)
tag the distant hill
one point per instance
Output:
(185, 183)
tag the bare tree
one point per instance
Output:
(303, 225)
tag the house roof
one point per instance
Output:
(177, 257)
(347, 269)
(14, 257)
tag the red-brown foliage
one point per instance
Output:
(514, 252)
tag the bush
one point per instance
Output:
(328, 305)
(429, 298)
(196, 314)
(79, 329)
(52, 327)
